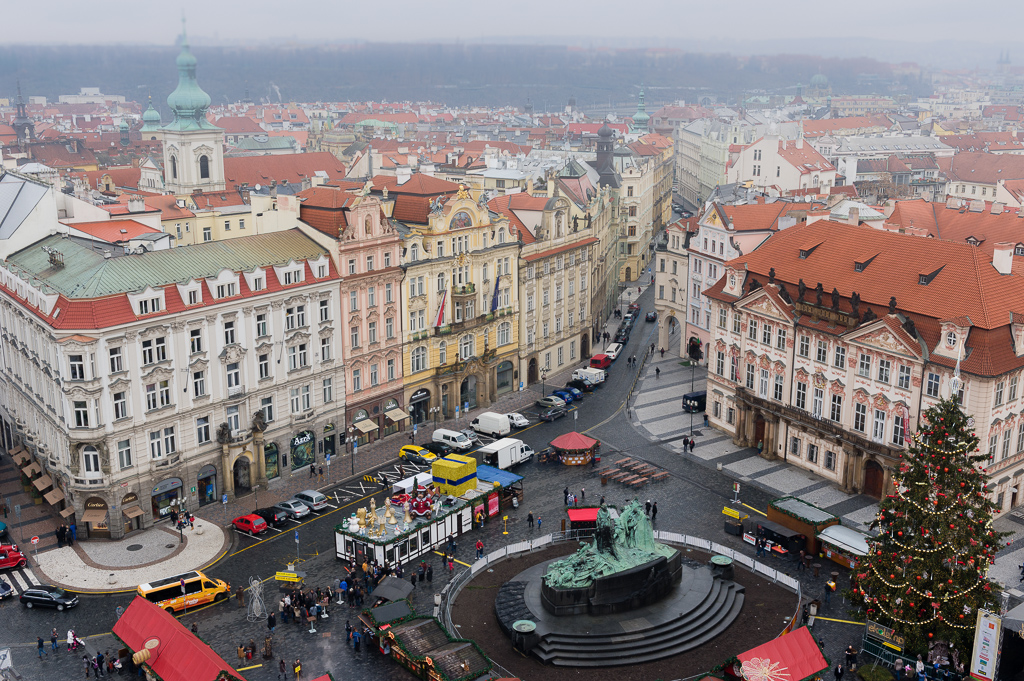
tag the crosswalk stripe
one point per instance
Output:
(31, 577)
(332, 505)
(19, 585)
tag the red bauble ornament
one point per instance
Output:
(929, 634)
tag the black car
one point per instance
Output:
(651, 316)
(439, 448)
(272, 516)
(582, 386)
(552, 414)
(6, 590)
(48, 597)
(622, 336)
(685, 214)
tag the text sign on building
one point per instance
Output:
(885, 634)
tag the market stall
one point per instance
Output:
(802, 517)
(506, 488)
(576, 449)
(782, 541)
(843, 545)
(793, 657)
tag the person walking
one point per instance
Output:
(801, 566)
(838, 672)
(851, 658)
(320, 473)
(565, 493)
(53, 639)
(312, 471)
(451, 563)
(919, 668)
(282, 669)
(98, 664)
(652, 348)
(60, 536)
(662, 353)
(529, 520)
(686, 442)
(297, 668)
(654, 512)
(73, 536)
(479, 549)
(430, 573)
(271, 622)
(39, 647)
(693, 443)
(657, 372)
(88, 664)
(71, 640)
(583, 493)
(647, 507)
(195, 629)
(538, 523)
(412, 579)
(241, 655)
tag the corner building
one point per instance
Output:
(830, 340)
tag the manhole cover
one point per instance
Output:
(134, 547)
(168, 546)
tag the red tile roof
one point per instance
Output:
(847, 125)
(800, 157)
(994, 142)
(111, 230)
(412, 199)
(236, 125)
(508, 204)
(253, 170)
(981, 168)
(560, 249)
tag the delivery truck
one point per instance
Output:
(591, 376)
(505, 452)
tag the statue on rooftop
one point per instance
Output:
(819, 290)
(855, 303)
(835, 299)
(801, 289)
(892, 305)
(771, 276)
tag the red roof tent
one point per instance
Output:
(586, 515)
(792, 657)
(177, 655)
(573, 441)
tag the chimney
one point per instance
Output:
(1002, 257)
(136, 205)
(854, 218)
(404, 174)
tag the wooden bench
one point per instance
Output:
(645, 469)
(608, 471)
(639, 481)
(625, 462)
(659, 476)
(620, 476)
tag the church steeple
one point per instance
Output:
(188, 102)
(22, 124)
(640, 118)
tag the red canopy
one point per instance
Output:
(175, 654)
(792, 657)
(573, 441)
(582, 514)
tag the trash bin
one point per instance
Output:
(734, 527)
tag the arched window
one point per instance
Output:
(174, 168)
(414, 252)
(467, 345)
(368, 226)
(504, 333)
(442, 353)
(91, 461)
(441, 282)
(419, 359)
(204, 167)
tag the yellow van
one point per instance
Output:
(198, 590)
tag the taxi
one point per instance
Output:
(416, 454)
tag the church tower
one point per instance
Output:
(193, 147)
(605, 155)
(641, 117)
(22, 124)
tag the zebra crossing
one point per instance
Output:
(20, 580)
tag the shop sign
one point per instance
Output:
(129, 498)
(302, 438)
(95, 502)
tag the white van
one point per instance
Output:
(489, 423)
(454, 439)
(591, 376)
(613, 350)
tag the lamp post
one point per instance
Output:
(543, 377)
(412, 424)
(352, 456)
(436, 411)
(691, 405)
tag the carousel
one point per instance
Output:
(574, 449)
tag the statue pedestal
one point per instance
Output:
(627, 590)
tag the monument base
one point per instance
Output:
(622, 591)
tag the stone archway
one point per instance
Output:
(467, 392)
(242, 472)
(629, 274)
(531, 371)
(874, 478)
(585, 345)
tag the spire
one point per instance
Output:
(22, 124)
(188, 102)
(640, 118)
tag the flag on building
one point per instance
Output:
(494, 300)
(439, 319)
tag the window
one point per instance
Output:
(352, 265)
(124, 453)
(387, 260)
(325, 310)
(295, 317)
(794, 446)
(860, 417)
(1007, 436)
(932, 387)
(297, 358)
(864, 366)
(780, 339)
(723, 317)
(837, 408)
(812, 453)
(839, 361)
(225, 290)
(325, 349)
(293, 276)
(257, 284)
(414, 252)
(77, 365)
(391, 369)
(195, 341)
(241, 223)
(328, 389)
(388, 293)
(1020, 437)
(750, 376)
(899, 430)
(232, 419)
(801, 396)
(116, 363)
(353, 301)
(822, 351)
(1000, 386)
(353, 336)
(467, 346)
(267, 407)
(202, 430)
(369, 263)
(560, 355)
(120, 405)
(884, 366)
(1013, 389)
(817, 403)
(261, 325)
(766, 334)
(418, 359)
(263, 362)
(193, 297)
(720, 363)
(762, 386)
(306, 404)
(734, 369)
(504, 333)
(234, 376)
(830, 460)
(878, 428)
(229, 333)
(993, 442)
(751, 329)
(735, 322)
(371, 332)
(91, 459)
(207, 234)
(198, 383)
(904, 377)
(778, 387)
(81, 409)
(389, 327)
(805, 346)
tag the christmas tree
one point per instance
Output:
(925, 573)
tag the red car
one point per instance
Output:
(11, 557)
(252, 523)
(600, 362)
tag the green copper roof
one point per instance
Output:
(188, 102)
(641, 117)
(572, 169)
(150, 118)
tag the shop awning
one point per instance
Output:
(845, 539)
(133, 511)
(795, 656)
(94, 515)
(366, 425)
(31, 469)
(53, 497)
(396, 415)
(42, 483)
(20, 458)
(585, 515)
(69, 511)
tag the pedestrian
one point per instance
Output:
(919, 668)
(451, 563)
(412, 578)
(320, 470)
(297, 667)
(652, 348)
(760, 547)
(538, 523)
(312, 471)
(283, 669)
(801, 566)
(355, 640)
(53, 639)
(39, 646)
(602, 500)
(98, 663)
(851, 659)
(693, 443)
(638, 290)
(686, 442)
(348, 632)
(663, 353)
(565, 493)
(241, 655)
(60, 536)
(88, 664)
(71, 640)
(654, 512)
(195, 629)
(583, 493)
(705, 420)
(529, 520)
(760, 447)
(838, 672)
(657, 372)
(479, 549)
(647, 507)
(828, 592)
(74, 534)
(271, 622)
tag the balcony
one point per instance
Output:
(236, 391)
(468, 290)
(304, 417)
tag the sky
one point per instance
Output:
(734, 25)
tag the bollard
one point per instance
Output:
(111, 579)
(816, 566)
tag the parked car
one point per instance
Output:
(517, 420)
(272, 516)
(685, 214)
(634, 308)
(582, 386)
(628, 320)
(416, 454)
(251, 523)
(310, 497)
(566, 396)
(548, 402)
(48, 597)
(491, 423)
(622, 336)
(577, 394)
(439, 449)
(294, 508)
(601, 361)
(552, 413)
(11, 557)
(613, 350)
(6, 590)
(695, 402)
(652, 316)
(472, 435)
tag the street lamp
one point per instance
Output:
(543, 377)
(352, 456)
(412, 424)
(691, 406)
(436, 411)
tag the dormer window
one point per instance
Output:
(149, 306)
(1019, 250)
(951, 339)
(225, 290)
(292, 277)
(257, 284)
(925, 278)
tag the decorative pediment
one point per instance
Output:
(326, 331)
(802, 373)
(119, 384)
(158, 373)
(81, 392)
(202, 149)
(819, 380)
(297, 337)
(880, 337)
(75, 345)
(152, 331)
(372, 315)
(264, 347)
(199, 364)
(838, 387)
(763, 304)
(232, 353)
(389, 311)
(296, 300)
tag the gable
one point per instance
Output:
(882, 338)
(761, 303)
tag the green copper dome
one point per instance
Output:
(150, 118)
(188, 102)
(641, 117)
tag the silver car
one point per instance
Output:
(293, 508)
(311, 498)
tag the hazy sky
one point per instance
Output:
(733, 23)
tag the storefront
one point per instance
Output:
(365, 427)
(207, 485)
(131, 512)
(505, 376)
(270, 460)
(303, 449)
(166, 496)
(95, 518)
(393, 416)
(420, 403)
(327, 444)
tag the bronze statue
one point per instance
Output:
(784, 294)
(801, 289)
(892, 305)
(819, 290)
(835, 299)
(575, 223)
(855, 303)
(869, 315)
(771, 276)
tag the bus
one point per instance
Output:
(198, 590)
